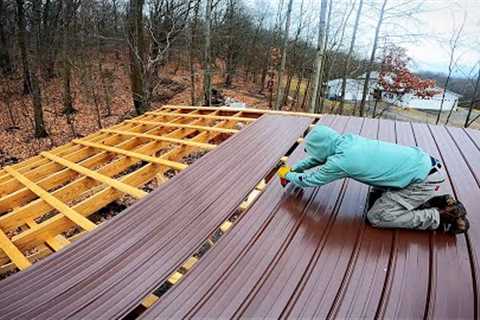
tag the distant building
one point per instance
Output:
(410, 100)
(354, 88)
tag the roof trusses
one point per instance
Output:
(46, 201)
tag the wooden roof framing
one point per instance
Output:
(43, 197)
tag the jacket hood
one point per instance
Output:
(321, 142)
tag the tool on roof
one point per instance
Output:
(282, 172)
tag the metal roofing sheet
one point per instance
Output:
(304, 254)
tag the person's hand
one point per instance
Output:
(282, 172)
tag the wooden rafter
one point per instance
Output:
(141, 156)
(15, 255)
(71, 214)
(201, 116)
(183, 126)
(206, 146)
(120, 186)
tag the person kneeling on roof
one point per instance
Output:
(405, 180)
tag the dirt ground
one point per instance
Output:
(457, 118)
(16, 115)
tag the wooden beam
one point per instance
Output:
(57, 224)
(69, 192)
(120, 186)
(15, 255)
(56, 243)
(168, 163)
(244, 110)
(183, 126)
(202, 116)
(206, 146)
(81, 221)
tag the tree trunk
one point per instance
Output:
(472, 102)
(5, 60)
(207, 75)
(281, 69)
(349, 57)
(40, 131)
(320, 102)
(372, 59)
(288, 86)
(297, 88)
(137, 55)
(305, 95)
(318, 56)
(67, 68)
(22, 43)
(447, 81)
(193, 32)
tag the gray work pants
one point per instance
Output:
(398, 208)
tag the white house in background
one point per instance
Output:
(410, 100)
(354, 88)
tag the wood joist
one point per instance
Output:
(44, 197)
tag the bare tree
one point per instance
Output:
(22, 43)
(191, 56)
(71, 7)
(281, 69)
(366, 84)
(5, 61)
(318, 56)
(207, 75)
(349, 56)
(137, 54)
(473, 101)
(320, 100)
(40, 131)
(454, 42)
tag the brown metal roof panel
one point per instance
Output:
(336, 266)
(410, 265)
(449, 296)
(467, 190)
(110, 270)
(213, 279)
(363, 289)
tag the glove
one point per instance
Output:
(282, 172)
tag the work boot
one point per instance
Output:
(442, 201)
(461, 225)
(451, 213)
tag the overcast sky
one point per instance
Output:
(433, 24)
(443, 17)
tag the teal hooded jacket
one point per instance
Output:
(373, 162)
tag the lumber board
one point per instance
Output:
(120, 186)
(52, 180)
(40, 167)
(201, 116)
(206, 146)
(168, 163)
(245, 110)
(54, 242)
(58, 224)
(53, 202)
(183, 126)
(15, 255)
